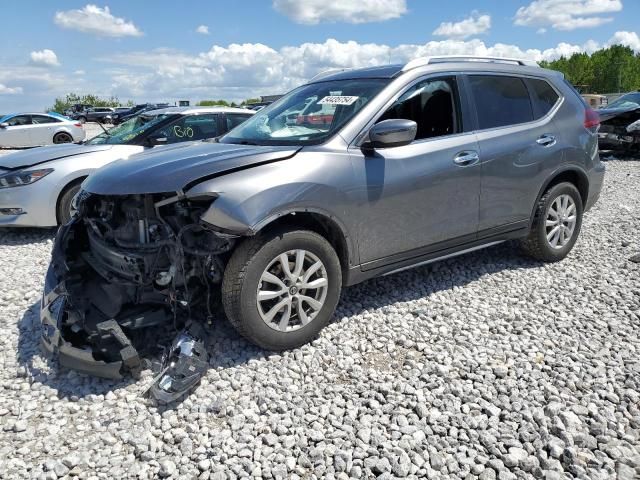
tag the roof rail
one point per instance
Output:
(328, 72)
(422, 61)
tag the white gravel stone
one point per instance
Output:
(487, 365)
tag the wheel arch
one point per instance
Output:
(317, 221)
(570, 174)
(65, 189)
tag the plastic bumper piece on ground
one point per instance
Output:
(51, 314)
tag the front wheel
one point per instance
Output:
(280, 289)
(64, 211)
(556, 224)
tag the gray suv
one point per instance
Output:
(356, 174)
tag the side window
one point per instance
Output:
(500, 100)
(235, 119)
(19, 120)
(544, 96)
(40, 119)
(432, 104)
(191, 127)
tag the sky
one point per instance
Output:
(209, 49)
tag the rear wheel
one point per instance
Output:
(62, 137)
(64, 202)
(82, 119)
(556, 225)
(280, 289)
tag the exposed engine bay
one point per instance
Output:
(128, 265)
(620, 130)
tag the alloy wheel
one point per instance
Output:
(561, 221)
(292, 290)
(62, 138)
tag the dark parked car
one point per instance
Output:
(77, 108)
(620, 124)
(417, 163)
(125, 115)
(95, 114)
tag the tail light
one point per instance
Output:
(591, 119)
(77, 125)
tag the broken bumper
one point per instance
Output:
(613, 141)
(53, 307)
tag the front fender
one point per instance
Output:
(248, 200)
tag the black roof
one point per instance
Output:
(384, 71)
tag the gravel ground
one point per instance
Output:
(489, 366)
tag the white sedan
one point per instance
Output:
(35, 129)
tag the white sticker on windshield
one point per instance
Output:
(337, 100)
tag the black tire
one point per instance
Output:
(62, 137)
(63, 211)
(82, 119)
(242, 277)
(536, 244)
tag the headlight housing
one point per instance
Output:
(23, 177)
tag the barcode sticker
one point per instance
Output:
(337, 100)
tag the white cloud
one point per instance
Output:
(96, 20)
(312, 12)
(239, 71)
(203, 29)
(474, 25)
(628, 39)
(45, 57)
(567, 14)
(4, 90)
(79, 72)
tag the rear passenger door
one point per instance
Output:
(41, 130)
(518, 145)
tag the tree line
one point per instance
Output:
(609, 70)
(64, 103)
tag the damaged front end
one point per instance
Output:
(128, 266)
(620, 130)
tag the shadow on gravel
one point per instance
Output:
(227, 349)
(25, 235)
(422, 282)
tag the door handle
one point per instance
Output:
(466, 158)
(546, 140)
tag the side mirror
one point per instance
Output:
(155, 140)
(392, 133)
(4, 125)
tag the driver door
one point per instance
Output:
(16, 134)
(421, 197)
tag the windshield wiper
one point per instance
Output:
(104, 129)
(246, 142)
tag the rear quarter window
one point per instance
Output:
(544, 96)
(500, 100)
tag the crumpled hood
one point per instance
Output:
(173, 168)
(609, 113)
(36, 156)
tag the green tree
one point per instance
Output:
(609, 70)
(213, 103)
(63, 103)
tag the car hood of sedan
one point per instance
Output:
(177, 167)
(36, 156)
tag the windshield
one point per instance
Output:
(630, 100)
(307, 115)
(129, 131)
